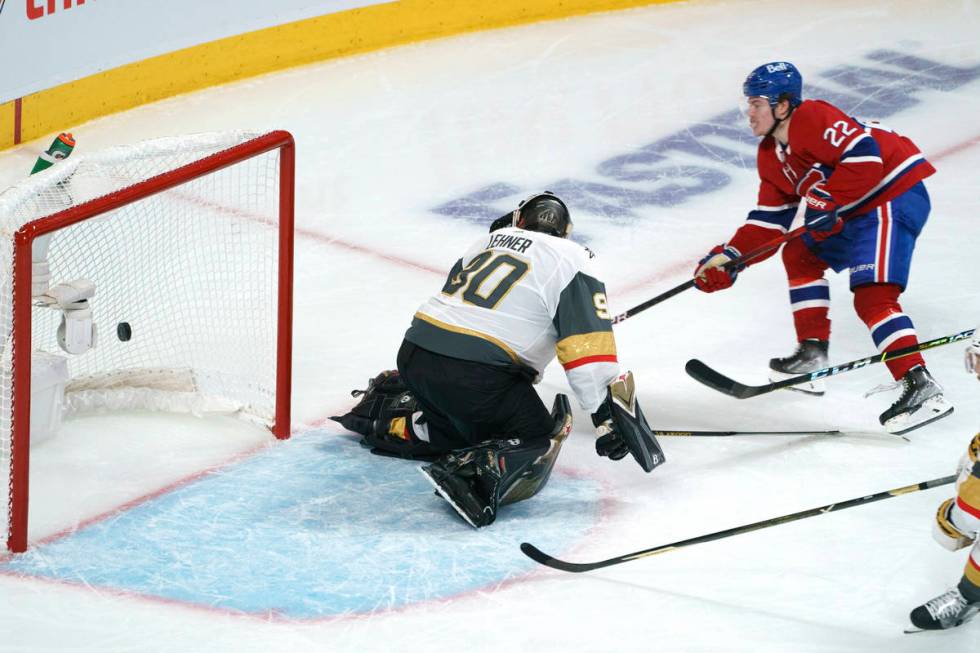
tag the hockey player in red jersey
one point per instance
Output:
(957, 526)
(865, 204)
(462, 396)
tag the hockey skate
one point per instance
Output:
(945, 611)
(810, 356)
(921, 403)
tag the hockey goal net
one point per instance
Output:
(188, 244)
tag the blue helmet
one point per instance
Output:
(778, 80)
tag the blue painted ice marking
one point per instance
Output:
(312, 527)
(705, 156)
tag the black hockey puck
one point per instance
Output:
(124, 331)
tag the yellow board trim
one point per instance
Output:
(276, 48)
(468, 332)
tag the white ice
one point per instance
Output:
(385, 138)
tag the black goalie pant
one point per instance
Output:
(465, 402)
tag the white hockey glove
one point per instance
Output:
(972, 355)
(945, 530)
(76, 333)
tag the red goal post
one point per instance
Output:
(195, 242)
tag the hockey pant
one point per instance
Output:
(876, 248)
(464, 403)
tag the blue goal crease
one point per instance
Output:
(313, 527)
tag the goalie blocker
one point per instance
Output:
(622, 428)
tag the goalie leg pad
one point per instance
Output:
(476, 481)
(530, 483)
(379, 393)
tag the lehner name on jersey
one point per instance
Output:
(517, 243)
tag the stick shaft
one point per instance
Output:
(539, 556)
(676, 290)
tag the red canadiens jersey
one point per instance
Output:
(862, 164)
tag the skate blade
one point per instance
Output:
(932, 410)
(444, 495)
(816, 388)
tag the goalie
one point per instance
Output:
(462, 397)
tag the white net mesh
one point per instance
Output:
(193, 271)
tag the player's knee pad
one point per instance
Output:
(800, 261)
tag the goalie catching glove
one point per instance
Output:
(623, 429)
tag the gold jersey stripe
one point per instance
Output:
(572, 348)
(468, 332)
(969, 494)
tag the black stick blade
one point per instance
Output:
(539, 556)
(716, 380)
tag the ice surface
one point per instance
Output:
(630, 116)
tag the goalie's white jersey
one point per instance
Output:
(523, 297)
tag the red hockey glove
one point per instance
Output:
(710, 275)
(821, 218)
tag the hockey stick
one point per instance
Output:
(718, 381)
(725, 433)
(676, 290)
(537, 555)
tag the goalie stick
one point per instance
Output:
(539, 556)
(726, 433)
(741, 260)
(718, 381)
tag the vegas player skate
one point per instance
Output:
(956, 527)
(462, 396)
(865, 204)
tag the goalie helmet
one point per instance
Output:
(775, 81)
(545, 213)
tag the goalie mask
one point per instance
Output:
(544, 213)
